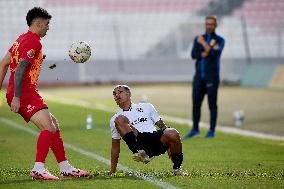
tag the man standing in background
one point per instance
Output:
(206, 50)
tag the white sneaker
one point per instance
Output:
(180, 172)
(73, 172)
(42, 174)
(141, 156)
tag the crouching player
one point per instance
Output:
(135, 123)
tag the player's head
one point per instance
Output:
(122, 95)
(210, 24)
(38, 18)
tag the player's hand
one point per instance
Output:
(15, 104)
(169, 153)
(201, 40)
(207, 48)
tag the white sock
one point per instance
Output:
(63, 165)
(39, 165)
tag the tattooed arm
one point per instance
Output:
(18, 80)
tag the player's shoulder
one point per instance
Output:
(196, 37)
(33, 38)
(220, 38)
(115, 115)
(111, 121)
(145, 105)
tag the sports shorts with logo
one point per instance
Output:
(30, 103)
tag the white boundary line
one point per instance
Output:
(94, 156)
(225, 129)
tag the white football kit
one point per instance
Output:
(142, 116)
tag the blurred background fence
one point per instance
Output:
(151, 40)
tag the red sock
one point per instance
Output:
(43, 143)
(57, 147)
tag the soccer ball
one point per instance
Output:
(80, 52)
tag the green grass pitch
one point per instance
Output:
(227, 161)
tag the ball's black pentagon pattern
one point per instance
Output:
(80, 52)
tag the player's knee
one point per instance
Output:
(55, 121)
(196, 106)
(173, 135)
(121, 120)
(52, 130)
(49, 126)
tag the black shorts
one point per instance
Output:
(150, 142)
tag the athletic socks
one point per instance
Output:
(131, 142)
(177, 159)
(57, 147)
(43, 143)
(38, 165)
(64, 165)
(51, 140)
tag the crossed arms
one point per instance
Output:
(212, 50)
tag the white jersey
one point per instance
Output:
(142, 116)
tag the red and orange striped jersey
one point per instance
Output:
(28, 47)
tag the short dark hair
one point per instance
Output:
(212, 17)
(125, 87)
(37, 12)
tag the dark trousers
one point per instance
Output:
(202, 86)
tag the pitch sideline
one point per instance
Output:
(94, 156)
